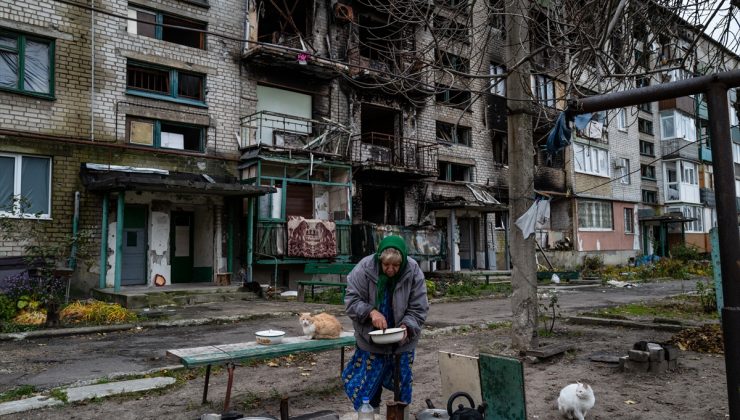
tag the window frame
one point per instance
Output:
(602, 164)
(174, 85)
(624, 173)
(497, 85)
(649, 127)
(621, 119)
(457, 131)
(544, 90)
(446, 175)
(17, 188)
(159, 21)
(683, 126)
(20, 50)
(452, 61)
(447, 93)
(629, 228)
(157, 134)
(648, 169)
(596, 217)
(654, 194)
(643, 145)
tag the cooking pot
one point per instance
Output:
(431, 413)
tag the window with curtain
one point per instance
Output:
(27, 191)
(595, 215)
(26, 64)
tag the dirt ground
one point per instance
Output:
(696, 390)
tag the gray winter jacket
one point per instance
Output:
(410, 304)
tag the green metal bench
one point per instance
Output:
(230, 354)
(341, 269)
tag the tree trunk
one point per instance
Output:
(521, 177)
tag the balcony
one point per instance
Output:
(389, 153)
(680, 148)
(291, 132)
(272, 239)
(707, 197)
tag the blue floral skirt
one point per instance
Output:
(367, 371)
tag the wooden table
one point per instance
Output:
(230, 354)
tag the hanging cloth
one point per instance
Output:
(535, 217)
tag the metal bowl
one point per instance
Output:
(269, 336)
(387, 336)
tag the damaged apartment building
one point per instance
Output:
(194, 138)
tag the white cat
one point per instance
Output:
(575, 400)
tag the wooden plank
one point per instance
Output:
(549, 351)
(459, 373)
(502, 387)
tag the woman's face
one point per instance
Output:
(390, 268)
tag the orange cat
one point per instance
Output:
(320, 326)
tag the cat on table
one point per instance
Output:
(320, 326)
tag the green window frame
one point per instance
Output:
(23, 72)
(148, 22)
(162, 134)
(455, 172)
(159, 82)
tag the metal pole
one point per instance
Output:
(250, 236)
(729, 241)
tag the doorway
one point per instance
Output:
(468, 239)
(133, 255)
(181, 246)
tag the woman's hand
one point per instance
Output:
(378, 320)
(405, 338)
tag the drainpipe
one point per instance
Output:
(230, 243)
(104, 244)
(92, 71)
(250, 237)
(119, 242)
(72, 261)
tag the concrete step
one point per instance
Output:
(176, 295)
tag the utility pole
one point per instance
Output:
(521, 176)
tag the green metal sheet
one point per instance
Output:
(328, 268)
(502, 387)
(717, 270)
(208, 355)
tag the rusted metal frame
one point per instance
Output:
(205, 385)
(715, 86)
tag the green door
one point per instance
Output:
(181, 246)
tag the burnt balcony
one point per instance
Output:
(283, 131)
(388, 153)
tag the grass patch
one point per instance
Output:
(17, 393)
(331, 296)
(682, 307)
(59, 394)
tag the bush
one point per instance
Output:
(592, 265)
(7, 308)
(686, 253)
(431, 287)
(707, 295)
(96, 313)
(29, 290)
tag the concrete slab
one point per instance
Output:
(26, 404)
(114, 388)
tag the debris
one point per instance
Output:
(617, 283)
(630, 402)
(272, 364)
(704, 339)
(549, 351)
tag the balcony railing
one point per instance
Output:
(292, 132)
(272, 239)
(393, 152)
(680, 148)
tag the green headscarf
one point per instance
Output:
(386, 283)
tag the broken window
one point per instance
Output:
(452, 61)
(500, 147)
(544, 89)
(170, 28)
(285, 23)
(382, 205)
(452, 133)
(165, 82)
(453, 97)
(455, 172)
(445, 28)
(498, 84)
(165, 134)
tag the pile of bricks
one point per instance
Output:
(650, 357)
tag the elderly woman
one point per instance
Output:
(384, 290)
